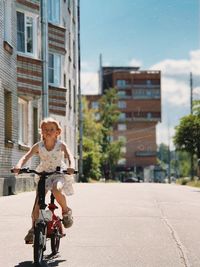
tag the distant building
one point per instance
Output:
(139, 94)
(21, 77)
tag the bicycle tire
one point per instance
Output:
(55, 241)
(39, 244)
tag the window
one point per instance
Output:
(8, 116)
(121, 83)
(121, 93)
(123, 149)
(149, 115)
(97, 116)
(54, 69)
(149, 82)
(122, 104)
(122, 138)
(121, 127)
(54, 11)
(95, 105)
(7, 21)
(23, 121)
(26, 33)
(122, 161)
(122, 116)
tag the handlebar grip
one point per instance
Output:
(24, 170)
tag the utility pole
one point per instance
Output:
(44, 50)
(80, 114)
(191, 93)
(191, 112)
(100, 75)
(169, 157)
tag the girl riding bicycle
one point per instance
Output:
(51, 152)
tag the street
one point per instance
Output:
(115, 225)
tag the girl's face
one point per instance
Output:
(50, 131)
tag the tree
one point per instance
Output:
(187, 135)
(91, 143)
(109, 115)
(196, 107)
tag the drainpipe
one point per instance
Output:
(44, 50)
(80, 114)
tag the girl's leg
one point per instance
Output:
(35, 211)
(61, 199)
(66, 211)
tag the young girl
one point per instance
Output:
(50, 151)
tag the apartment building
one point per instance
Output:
(139, 103)
(21, 78)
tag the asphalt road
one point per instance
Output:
(115, 225)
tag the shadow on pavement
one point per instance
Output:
(25, 264)
(49, 261)
(53, 260)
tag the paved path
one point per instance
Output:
(116, 225)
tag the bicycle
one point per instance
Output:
(48, 224)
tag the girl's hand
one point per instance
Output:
(15, 169)
(70, 171)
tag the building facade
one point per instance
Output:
(139, 103)
(21, 77)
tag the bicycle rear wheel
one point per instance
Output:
(39, 243)
(55, 241)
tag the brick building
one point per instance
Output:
(139, 102)
(21, 78)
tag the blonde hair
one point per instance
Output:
(49, 120)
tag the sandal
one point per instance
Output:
(29, 237)
(67, 219)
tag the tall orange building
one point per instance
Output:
(139, 94)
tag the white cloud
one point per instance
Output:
(89, 83)
(164, 134)
(135, 63)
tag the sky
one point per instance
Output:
(152, 34)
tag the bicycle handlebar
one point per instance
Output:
(57, 171)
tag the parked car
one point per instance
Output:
(131, 180)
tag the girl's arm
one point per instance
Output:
(33, 150)
(68, 155)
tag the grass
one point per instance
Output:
(187, 181)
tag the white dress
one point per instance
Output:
(49, 160)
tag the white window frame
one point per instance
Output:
(54, 14)
(23, 122)
(34, 18)
(121, 104)
(7, 21)
(57, 70)
(122, 161)
(123, 149)
(121, 127)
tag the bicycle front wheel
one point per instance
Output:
(39, 243)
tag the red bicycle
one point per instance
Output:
(48, 224)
